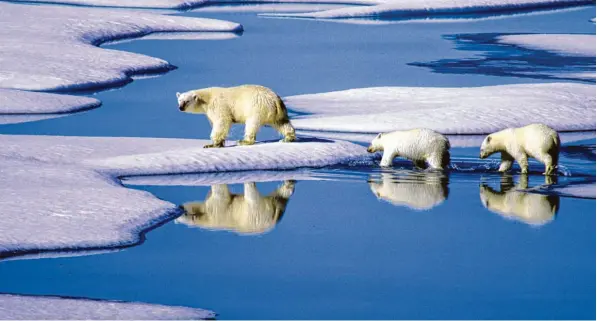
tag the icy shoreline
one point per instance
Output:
(34, 307)
(69, 187)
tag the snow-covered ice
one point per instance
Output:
(20, 102)
(564, 44)
(476, 110)
(582, 190)
(63, 193)
(55, 48)
(407, 9)
(26, 307)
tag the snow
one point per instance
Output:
(66, 189)
(54, 48)
(476, 110)
(22, 307)
(564, 44)
(408, 9)
(18, 102)
(263, 156)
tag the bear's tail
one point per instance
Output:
(555, 154)
(281, 110)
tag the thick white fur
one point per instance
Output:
(413, 191)
(248, 213)
(252, 105)
(511, 203)
(422, 146)
(536, 140)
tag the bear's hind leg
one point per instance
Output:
(287, 131)
(549, 166)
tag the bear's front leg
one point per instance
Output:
(506, 163)
(387, 159)
(251, 129)
(523, 161)
(219, 132)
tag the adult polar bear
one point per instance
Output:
(251, 105)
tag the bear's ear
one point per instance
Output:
(488, 139)
(177, 94)
(197, 98)
(379, 135)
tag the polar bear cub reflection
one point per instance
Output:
(418, 191)
(247, 213)
(512, 203)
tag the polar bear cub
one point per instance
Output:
(536, 140)
(422, 146)
(252, 105)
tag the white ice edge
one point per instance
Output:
(456, 111)
(563, 44)
(423, 9)
(20, 102)
(207, 179)
(28, 307)
(66, 189)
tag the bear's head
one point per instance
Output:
(376, 144)
(191, 102)
(488, 147)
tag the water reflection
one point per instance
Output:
(418, 190)
(512, 203)
(247, 213)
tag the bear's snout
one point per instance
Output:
(370, 149)
(181, 108)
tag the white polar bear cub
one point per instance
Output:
(251, 105)
(536, 140)
(422, 146)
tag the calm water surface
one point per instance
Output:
(363, 244)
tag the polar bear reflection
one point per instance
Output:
(512, 203)
(248, 213)
(416, 190)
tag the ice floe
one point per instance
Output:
(63, 193)
(55, 48)
(564, 44)
(21, 102)
(476, 110)
(28, 307)
(406, 9)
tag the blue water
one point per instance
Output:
(338, 251)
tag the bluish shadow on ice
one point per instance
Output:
(29, 307)
(539, 56)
